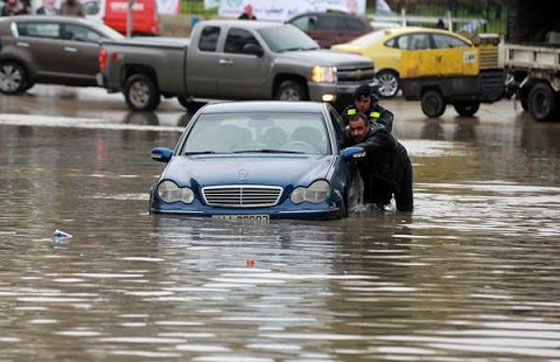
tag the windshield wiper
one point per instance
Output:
(290, 49)
(199, 153)
(267, 150)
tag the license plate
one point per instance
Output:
(257, 219)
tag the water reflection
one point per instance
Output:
(472, 274)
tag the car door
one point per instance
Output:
(81, 48)
(242, 75)
(40, 43)
(327, 31)
(203, 63)
(418, 59)
(454, 56)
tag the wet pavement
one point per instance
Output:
(471, 275)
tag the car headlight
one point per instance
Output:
(169, 192)
(317, 192)
(323, 74)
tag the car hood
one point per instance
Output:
(256, 169)
(328, 58)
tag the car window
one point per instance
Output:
(251, 132)
(338, 125)
(392, 43)
(418, 41)
(91, 7)
(330, 23)
(443, 41)
(80, 33)
(305, 23)
(286, 38)
(237, 39)
(353, 24)
(209, 39)
(39, 30)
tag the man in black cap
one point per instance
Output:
(367, 103)
(386, 169)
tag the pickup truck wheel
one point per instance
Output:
(466, 109)
(141, 93)
(13, 78)
(191, 106)
(291, 91)
(433, 104)
(542, 102)
(388, 83)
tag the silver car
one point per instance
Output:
(49, 49)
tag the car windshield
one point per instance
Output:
(287, 38)
(110, 33)
(266, 132)
(369, 38)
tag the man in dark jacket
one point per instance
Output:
(367, 103)
(387, 169)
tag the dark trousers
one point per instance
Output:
(404, 196)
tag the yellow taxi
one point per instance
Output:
(386, 48)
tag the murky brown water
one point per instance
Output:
(473, 274)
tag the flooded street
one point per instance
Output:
(471, 275)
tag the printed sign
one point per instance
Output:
(469, 57)
(281, 10)
(168, 6)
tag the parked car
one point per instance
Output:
(329, 28)
(232, 60)
(385, 47)
(113, 13)
(49, 49)
(256, 161)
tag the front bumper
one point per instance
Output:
(323, 92)
(327, 210)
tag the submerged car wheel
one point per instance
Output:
(542, 102)
(388, 83)
(433, 104)
(466, 109)
(291, 91)
(13, 78)
(141, 93)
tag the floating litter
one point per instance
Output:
(250, 263)
(61, 234)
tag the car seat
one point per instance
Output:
(274, 138)
(310, 136)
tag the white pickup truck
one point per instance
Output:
(531, 56)
(230, 60)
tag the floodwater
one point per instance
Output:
(471, 275)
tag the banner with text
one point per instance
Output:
(281, 10)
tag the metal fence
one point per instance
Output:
(473, 16)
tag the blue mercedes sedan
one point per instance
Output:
(257, 161)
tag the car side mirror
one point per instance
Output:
(353, 153)
(253, 49)
(162, 154)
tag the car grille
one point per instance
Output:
(354, 74)
(488, 57)
(492, 84)
(242, 195)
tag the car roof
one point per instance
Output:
(416, 29)
(264, 106)
(329, 12)
(248, 24)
